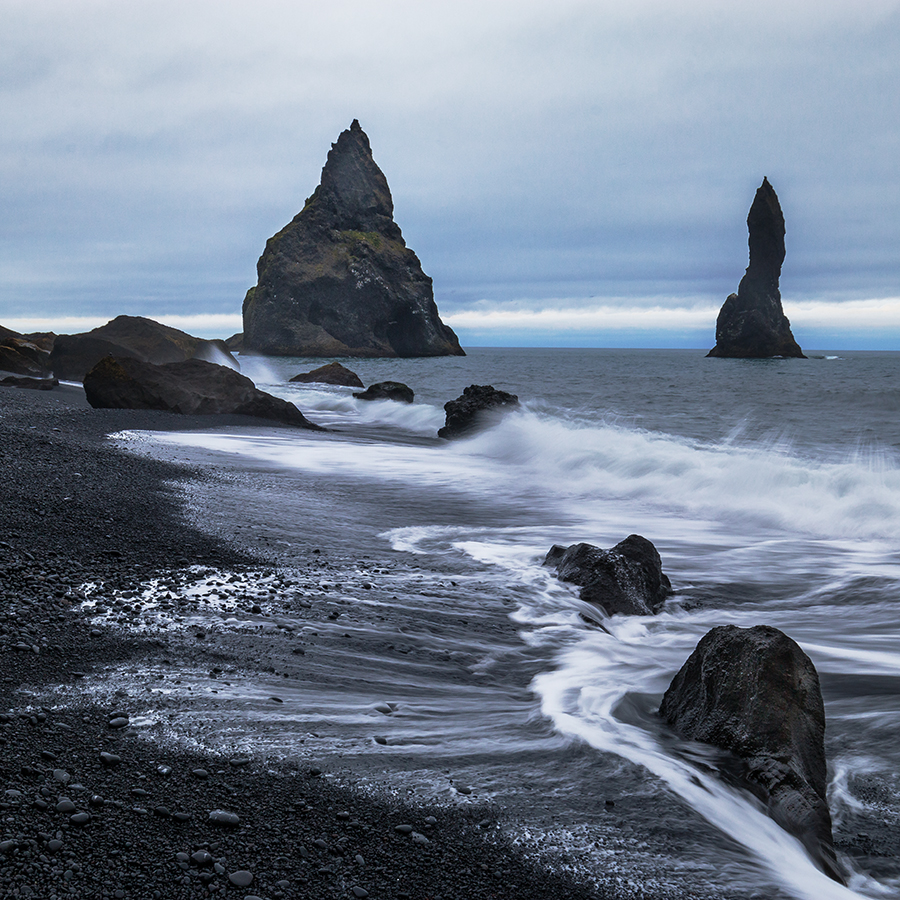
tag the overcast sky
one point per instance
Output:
(569, 173)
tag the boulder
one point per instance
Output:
(333, 373)
(23, 381)
(236, 342)
(192, 387)
(752, 323)
(339, 279)
(626, 580)
(74, 355)
(22, 356)
(479, 406)
(387, 390)
(756, 694)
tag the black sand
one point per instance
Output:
(73, 509)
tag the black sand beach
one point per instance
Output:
(75, 510)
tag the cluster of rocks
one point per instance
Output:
(751, 692)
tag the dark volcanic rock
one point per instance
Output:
(387, 390)
(22, 356)
(23, 381)
(478, 406)
(755, 693)
(74, 355)
(751, 323)
(333, 373)
(627, 580)
(190, 387)
(339, 279)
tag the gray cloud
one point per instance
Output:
(536, 151)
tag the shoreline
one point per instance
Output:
(63, 523)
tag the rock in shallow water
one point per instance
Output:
(479, 406)
(387, 390)
(626, 580)
(755, 693)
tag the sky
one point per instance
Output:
(569, 173)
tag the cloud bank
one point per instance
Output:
(535, 151)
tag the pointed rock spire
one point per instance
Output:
(339, 279)
(752, 323)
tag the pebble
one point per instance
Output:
(223, 817)
(202, 858)
(62, 776)
(200, 773)
(80, 819)
(403, 829)
(119, 722)
(359, 891)
(241, 878)
(65, 805)
(110, 759)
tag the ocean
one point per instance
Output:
(415, 645)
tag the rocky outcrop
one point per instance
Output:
(755, 693)
(479, 406)
(192, 386)
(387, 390)
(74, 355)
(22, 356)
(751, 323)
(339, 279)
(333, 373)
(627, 580)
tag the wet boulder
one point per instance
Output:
(74, 355)
(387, 390)
(479, 406)
(191, 387)
(626, 580)
(333, 373)
(756, 694)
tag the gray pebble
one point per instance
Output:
(241, 878)
(223, 817)
(359, 891)
(65, 805)
(403, 829)
(119, 722)
(80, 819)
(110, 759)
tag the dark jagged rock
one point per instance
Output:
(23, 381)
(22, 356)
(752, 323)
(626, 580)
(387, 390)
(74, 355)
(236, 342)
(755, 693)
(478, 406)
(333, 373)
(339, 279)
(192, 386)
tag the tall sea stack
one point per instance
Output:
(751, 323)
(339, 279)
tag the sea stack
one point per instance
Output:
(751, 323)
(339, 280)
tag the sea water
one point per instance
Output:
(771, 489)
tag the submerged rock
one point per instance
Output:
(626, 580)
(478, 406)
(387, 390)
(755, 693)
(339, 279)
(74, 355)
(752, 323)
(333, 373)
(189, 387)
